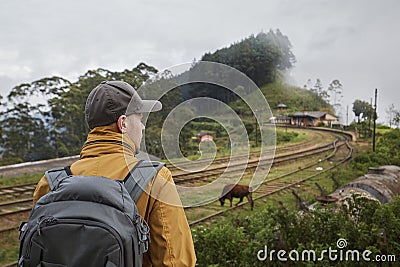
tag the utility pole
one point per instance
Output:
(256, 111)
(370, 117)
(373, 136)
(347, 116)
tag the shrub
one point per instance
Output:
(362, 222)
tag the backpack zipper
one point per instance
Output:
(48, 221)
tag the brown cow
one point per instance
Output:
(236, 190)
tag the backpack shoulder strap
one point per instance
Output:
(56, 175)
(141, 174)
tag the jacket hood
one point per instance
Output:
(106, 140)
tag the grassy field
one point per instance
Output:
(23, 179)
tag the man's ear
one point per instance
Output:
(121, 123)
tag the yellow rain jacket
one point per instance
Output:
(109, 153)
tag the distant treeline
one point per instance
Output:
(260, 57)
(45, 119)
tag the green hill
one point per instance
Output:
(295, 98)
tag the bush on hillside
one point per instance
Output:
(364, 225)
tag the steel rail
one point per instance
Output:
(251, 164)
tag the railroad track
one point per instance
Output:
(285, 181)
(8, 207)
(16, 191)
(318, 137)
(208, 175)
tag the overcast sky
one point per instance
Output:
(356, 41)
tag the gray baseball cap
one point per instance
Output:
(111, 99)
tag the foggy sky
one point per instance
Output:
(354, 41)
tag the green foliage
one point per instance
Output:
(9, 247)
(221, 250)
(207, 126)
(284, 137)
(389, 144)
(387, 152)
(46, 118)
(363, 223)
(396, 118)
(21, 179)
(383, 127)
(368, 159)
(319, 93)
(258, 56)
(362, 108)
(23, 134)
(296, 99)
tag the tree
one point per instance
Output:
(396, 118)
(362, 108)
(25, 129)
(24, 134)
(335, 91)
(282, 42)
(391, 113)
(319, 94)
(308, 84)
(259, 57)
(46, 118)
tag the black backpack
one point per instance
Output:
(88, 221)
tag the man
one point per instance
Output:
(113, 112)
